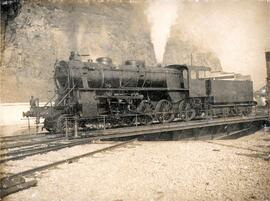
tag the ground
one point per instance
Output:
(160, 170)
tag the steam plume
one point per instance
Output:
(161, 15)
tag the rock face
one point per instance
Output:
(183, 51)
(46, 30)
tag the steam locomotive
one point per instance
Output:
(91, 93)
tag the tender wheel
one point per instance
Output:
(246, 111)
(234, 111)
(164, 111)
(145, 109)
(127, 121)
(186, 111)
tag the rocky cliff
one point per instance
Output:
(48, 30)
(181, 50)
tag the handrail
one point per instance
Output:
(65, 95)
(49, 101)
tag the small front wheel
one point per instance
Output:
(64, 122)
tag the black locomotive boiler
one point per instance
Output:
(91, 93)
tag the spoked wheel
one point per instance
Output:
(145, 110)
(127, 121)
(63, 123)
(164, 111)
(186, 111)
(245, 111)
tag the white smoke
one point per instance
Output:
(161, 15)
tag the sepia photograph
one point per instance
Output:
(135, 100)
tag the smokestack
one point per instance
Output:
(267, 57)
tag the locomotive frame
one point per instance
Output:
(99, 92)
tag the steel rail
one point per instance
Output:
(167, 127)
(22, 135)
(24, 144)
(28, 149)
(231, 135)
(43, 150)
(20, 154)
(68, 160)
(17, 187)
(237, 147)
(18, 139)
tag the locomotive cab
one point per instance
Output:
(181, 76)
(198, 75)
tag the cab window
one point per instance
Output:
(193, 75)
(201, 74)
(207, 74)
(184, 82)
(185, 74)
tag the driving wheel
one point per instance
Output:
(145, 110)
(164, 111)
(186, 112)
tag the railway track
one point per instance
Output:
(31, 143)
(16, 182)
(237, 147)
(20, 150)
(28, 137)
(174, 126)
(20, 154)
(19, 147)
(12, 138)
